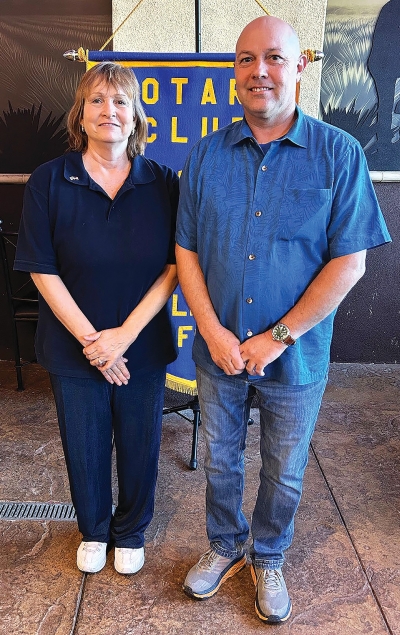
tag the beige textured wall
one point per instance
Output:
(169, 25)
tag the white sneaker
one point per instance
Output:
(91, 556)
(128, 560)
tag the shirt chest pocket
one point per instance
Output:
(304, 213)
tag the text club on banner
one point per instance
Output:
(185, 97)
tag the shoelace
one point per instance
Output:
(271, 579)
(89, 546)
(206, 562)
(127, 555)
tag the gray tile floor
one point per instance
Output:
(343, 569)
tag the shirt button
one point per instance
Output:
(264, 168)
(252, 257)
(258, 213)
(249, 333)
(249, 300)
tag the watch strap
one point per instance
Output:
(289, 341)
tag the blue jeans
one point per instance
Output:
(90, 412)
(287, 420)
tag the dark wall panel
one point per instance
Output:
(367, 326)
(10, 212)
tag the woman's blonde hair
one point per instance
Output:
(119, 77)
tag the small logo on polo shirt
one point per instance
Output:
(74, 178)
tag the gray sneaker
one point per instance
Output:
(205, 578)
(272, 604)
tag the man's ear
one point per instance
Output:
(301, 64)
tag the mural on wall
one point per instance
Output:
(37, 84)
(360, 89)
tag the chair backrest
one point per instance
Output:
(22, 295)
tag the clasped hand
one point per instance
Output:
(105, 350)
(252, 355)
(259, 351)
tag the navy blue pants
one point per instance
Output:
(89, 412)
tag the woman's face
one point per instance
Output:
(108, 116)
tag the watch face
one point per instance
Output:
(280, 332)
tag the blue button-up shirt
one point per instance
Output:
(264, 226)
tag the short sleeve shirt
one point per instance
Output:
(108, 252)
(264, 225)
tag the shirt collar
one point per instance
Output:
(141, 171)
(297, 133)
(74, 170)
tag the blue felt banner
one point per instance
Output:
(185, 96)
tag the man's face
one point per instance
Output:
(268, 64)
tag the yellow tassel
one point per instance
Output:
(313, 55)
(82, 55)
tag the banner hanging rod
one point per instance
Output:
(376, 177)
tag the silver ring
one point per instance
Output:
(101, 363)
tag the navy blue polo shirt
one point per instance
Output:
(108, 252)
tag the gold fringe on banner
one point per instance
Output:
(186, 386)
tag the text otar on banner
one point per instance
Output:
(185, 97)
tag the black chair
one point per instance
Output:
(22, 296)
(175, 403)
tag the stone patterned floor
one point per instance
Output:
(343, 569)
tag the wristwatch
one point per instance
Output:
(281, 333)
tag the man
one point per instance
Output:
(275, 217)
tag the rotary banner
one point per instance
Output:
(185, 96)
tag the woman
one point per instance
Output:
(97, 236)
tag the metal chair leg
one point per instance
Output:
(195, 406)
(17, 358)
